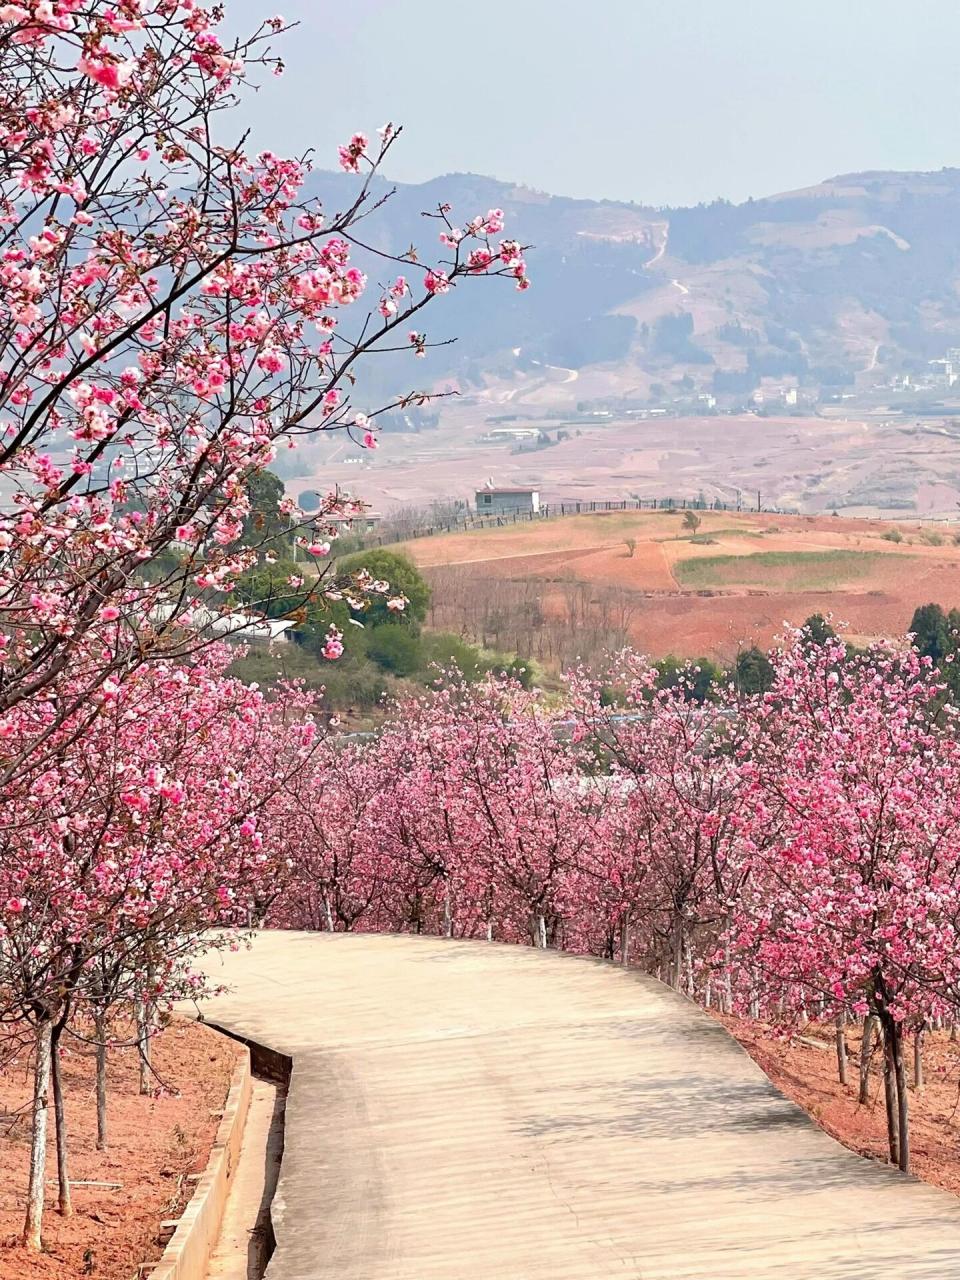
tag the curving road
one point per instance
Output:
(462, 1111)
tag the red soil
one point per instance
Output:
(876, 591)
(809, 1077)
(154, 1143)
(646, 570)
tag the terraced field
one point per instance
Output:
(776, 570)
(735, 582)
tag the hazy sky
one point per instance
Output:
(658, 101)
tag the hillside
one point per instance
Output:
(559, 589)
(857, 275)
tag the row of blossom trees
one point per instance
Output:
(173, 312)
(163, 819)
(792, 856)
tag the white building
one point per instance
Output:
(511, 435)
(238, 623)
(496, 500)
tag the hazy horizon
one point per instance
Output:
(645, 102)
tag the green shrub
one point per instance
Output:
(395, 649)
(818, 629)
(697, 680)
(265, 666)
(405, 580)
(352, 683)
(520, 669)
(753, 671)
(444, 649)
(266, 588)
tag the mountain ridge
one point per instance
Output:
(822, 286)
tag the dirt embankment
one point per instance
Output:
(809, 1076)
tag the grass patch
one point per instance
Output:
(777, 570)
(709, 532)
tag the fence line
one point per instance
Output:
(553, 510)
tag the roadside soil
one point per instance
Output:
(153, 1145)
(808, 1076)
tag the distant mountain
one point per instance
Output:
(857, 277)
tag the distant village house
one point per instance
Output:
(497, 501)
(364, 522)
(512, 435)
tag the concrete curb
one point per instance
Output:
(188, 1252)
(272, 1064)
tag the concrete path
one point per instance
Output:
(462, 1111)
(243, 1244)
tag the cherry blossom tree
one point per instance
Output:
(670, 841)
(853, 900)
(803, 845)
(528, 803)
(170, 318)
(338, 874)
(119, 856)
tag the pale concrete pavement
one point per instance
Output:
(460, 1110)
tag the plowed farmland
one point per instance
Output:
(734, 582)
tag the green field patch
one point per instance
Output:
(710, 532)
(777, 570)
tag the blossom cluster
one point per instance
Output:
(171, 309)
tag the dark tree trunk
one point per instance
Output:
(841, 1049)
(890, 1103)
(895, 1090)
(918, 1059)
(144, 1046)
(676, 974)
(903, 1119)
(100, 1032)
(866, 1049)
(447, 909)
